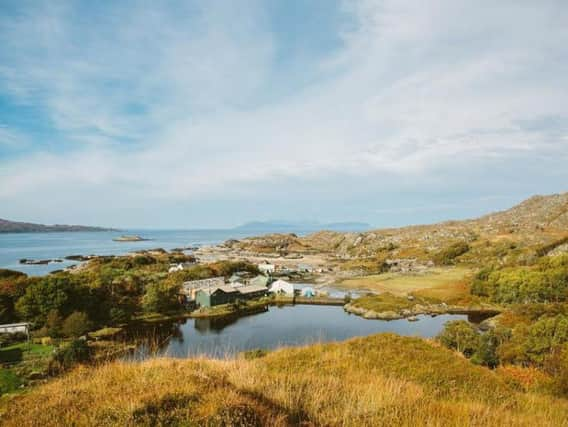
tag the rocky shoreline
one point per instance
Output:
(418, 309)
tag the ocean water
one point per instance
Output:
(15, 246)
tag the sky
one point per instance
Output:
(196, 114)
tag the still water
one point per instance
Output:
(276, 327)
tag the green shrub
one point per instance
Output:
(460, 335)
(76, 324)
(489, 342)
(75, 352)
(9, 381)
(447, 256)
(161, 297)
(119, 315)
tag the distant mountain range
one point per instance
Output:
(292, 226)
(28, 227)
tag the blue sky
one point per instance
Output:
(209, 114)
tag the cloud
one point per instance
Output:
(190, 103)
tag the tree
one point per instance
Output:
(556, 364)
(118, 315)
(76, 324)
(461, 336)
(160, 297)
(43, 296)
(12, 286)
(53, 324)
(489, 342)
(544, 336)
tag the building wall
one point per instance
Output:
(203, 299)
(252, 295)
(223, 298)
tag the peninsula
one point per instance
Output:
(7, 226)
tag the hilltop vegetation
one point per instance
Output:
(329, 384)
(536, 226)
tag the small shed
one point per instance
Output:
(211, 297)
(282, 287)
(308, 292)
(14, 328)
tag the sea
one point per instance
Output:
(40, 246)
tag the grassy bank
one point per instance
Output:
(442, 283)
(388, 306)
(22, 364)
(378, 380)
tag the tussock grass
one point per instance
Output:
(382, 380)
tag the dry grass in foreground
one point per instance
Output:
(382, 380)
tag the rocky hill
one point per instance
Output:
(27, 227)
(538, 222)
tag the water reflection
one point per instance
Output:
(276, 327)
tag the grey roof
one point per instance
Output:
(204, 283)
(252, 288)
(212, 290)
(259, 280)
(13, 325)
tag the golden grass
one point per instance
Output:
(382, 380)
(439, 283)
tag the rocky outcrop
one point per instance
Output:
(416, 310)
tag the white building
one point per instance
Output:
(175, 268)
(282, 287)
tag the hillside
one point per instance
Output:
(302, 227)
(381, 380)
(27, 227)
(526, 227)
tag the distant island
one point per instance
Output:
(127, 238)
(28, 227)
(292, 226)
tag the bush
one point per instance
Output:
(75, 352)
(9, 381)
(76, 324)
(545, 335)
(142, 260)
(447, 256)
(556, 365)
(489, 342)
(546, 282)
(53, 324)
(118, 316)
(460, 335)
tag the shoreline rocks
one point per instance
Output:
(27, 261)
(417, 310)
